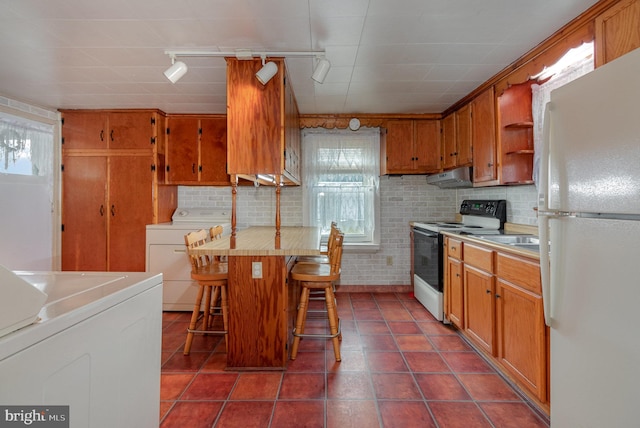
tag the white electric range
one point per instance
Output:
(479, 217)
(166, 253)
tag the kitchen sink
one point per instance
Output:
(513, 239)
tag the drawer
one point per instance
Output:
(478, 257)
(454, 248)
(518, 271)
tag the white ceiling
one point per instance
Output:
(387, 56)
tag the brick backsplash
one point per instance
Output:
(403, 199)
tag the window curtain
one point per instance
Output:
(25, 146)
(541, 94)
(341, 181)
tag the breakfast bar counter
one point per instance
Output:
(262, 302)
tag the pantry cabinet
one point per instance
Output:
(111, 191)
(483, 128)
(197, 150)
(411, 147)
(617, 31)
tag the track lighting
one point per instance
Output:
(267, 71)
(176, 71)
(320, 73)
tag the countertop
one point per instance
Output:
(496, 245)
(261, 241)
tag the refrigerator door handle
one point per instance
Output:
(543, 217)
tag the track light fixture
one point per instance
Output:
(268, 70)
(320, 73)
(176, 71)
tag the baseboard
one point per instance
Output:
(374, 288)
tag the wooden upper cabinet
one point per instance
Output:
(104, 129)
(182, 149)
(617, 31)
(449, 142)
(411, 147)
(464, 139)
(213, 150)
(257, 121)
(483, 126)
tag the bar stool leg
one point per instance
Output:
(224, 304)
(207, 307)
(214, 301)
(333, 321)
(300, 321)
(194, 320)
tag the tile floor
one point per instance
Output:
(400, 368)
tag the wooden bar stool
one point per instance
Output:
(319, 276)
(211, 275)
(324, 257)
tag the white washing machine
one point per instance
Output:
(166, 253)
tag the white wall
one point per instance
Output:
(403, 199)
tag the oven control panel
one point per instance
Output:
(494, 208)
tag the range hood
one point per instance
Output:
(455, 178)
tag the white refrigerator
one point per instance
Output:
(589, 213)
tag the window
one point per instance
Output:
(341, 183)
(25, 146)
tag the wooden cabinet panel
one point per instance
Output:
(456, 292)
(213, 150)
(481, 258)
(484, 138)
(399, 147)
(464, 138)
(130, 209)
(525, 273)
(84, 213)
(449, 142)
(427, 145)
(479, 306)
(521, 336)
(182, 149)
(84, 130)
(130, 130)
(617, 31)
(411, 147)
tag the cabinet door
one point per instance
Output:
(130, 210)
(182, 150)
(84, 213)
(449, 149)
(484, 137)
(84, 130)
(130, 130)
(521, 336)
(479, 306)
(400, 156)
(617, 31)
(456, 292)
(464, 138)
(427, 146)
(213, 150)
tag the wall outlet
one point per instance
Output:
(389, 260)
(256, 269)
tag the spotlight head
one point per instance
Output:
(267, 72)
(176, 71)
(320, 73)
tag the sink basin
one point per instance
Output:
(513, 239)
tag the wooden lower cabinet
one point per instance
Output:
(503, 312)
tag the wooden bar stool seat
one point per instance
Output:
(319, 276)
(211, 275)
(324, 256)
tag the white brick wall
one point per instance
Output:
(403, 199)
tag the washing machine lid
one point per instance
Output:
(210, 216)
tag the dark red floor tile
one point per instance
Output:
(373, 327)
(193, 414)
(459, 415)
(488, 387)
(352, 414)
(441, 386)
(165, 406)
(390, 304)
(404, 327)
(512, 415)
(302, 386)
(386, 362)
(436, 328)
(185, 363)
(172, 385)
(368, 314)
(405, 414)
(349, 386)
(297, 414)
(427, 362)
(413, 342)
(173, 342)
(396, 314)
(380, 342)
(420, 314)
(352, 361)
(466, 362)
(257, 386)
(217, 362)
(311, 361)
(210, 386)
(395, 386)
(177, 327)
(245, 414)
(202, 343)
(449, 343)
(360, 296)
(364, 304)
(382, 296)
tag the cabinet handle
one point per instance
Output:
(102, 135)
(111, 135)
(193, 168)
(113, 210)
(497, 296)
(101, 210)
(453, 248)
(488, 291)
(489, 164)
(458, 275)
(179, 251)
